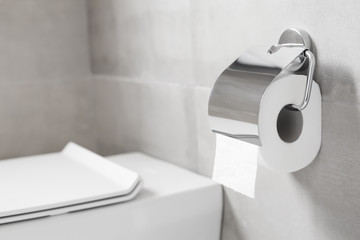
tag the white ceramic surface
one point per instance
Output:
(47, 182)
(174, 204)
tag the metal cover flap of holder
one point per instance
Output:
(73, 177)
(235, 98)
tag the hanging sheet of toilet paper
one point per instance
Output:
(236, 161)
(236, 165)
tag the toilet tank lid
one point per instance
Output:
(71, 177)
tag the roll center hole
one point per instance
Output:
(289, 124)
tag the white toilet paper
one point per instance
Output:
(276, 153)
(236, 164)
(284, 147)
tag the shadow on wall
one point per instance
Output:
(331, 182)
(104, 41)
(230, 230)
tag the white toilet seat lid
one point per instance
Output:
(72, 179)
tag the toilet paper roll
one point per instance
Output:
(290, 140)
(236, 164)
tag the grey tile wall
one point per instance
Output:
(155, 63)
(155, 118)
(45, 79)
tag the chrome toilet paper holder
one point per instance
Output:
(299, 38)
(236, 96)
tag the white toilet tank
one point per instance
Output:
(173, 204)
